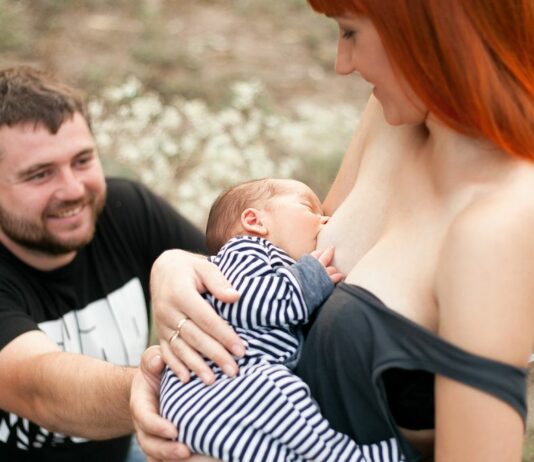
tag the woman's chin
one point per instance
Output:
(398, 118)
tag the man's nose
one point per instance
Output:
(70, 187)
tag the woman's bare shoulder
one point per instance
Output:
(506, 208)
(485, 277)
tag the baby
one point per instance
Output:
(257, 230)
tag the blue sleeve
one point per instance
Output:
(314, 280)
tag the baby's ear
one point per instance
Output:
(252, 223)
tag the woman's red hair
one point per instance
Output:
(470, 61)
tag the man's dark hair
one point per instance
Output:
(225, 214)
(29, 95)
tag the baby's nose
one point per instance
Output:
(324, 219)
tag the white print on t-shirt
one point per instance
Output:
(114, 328)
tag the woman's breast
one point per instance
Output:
(389, 248)
(358, 222)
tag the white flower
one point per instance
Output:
(103, 140)
(230, 117)
(95, 109)
(168, 146)
(189, 152)
(189, 143)
(146, 107)
(195, 110)
(245, 93)
(128, 151)
(170, 118)
(128, 90)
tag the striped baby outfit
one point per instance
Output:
(266, 413)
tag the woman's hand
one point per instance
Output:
(177, 280)
(154, 433)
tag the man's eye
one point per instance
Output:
(38, 176)
(83, 160)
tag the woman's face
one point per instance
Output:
(360, 50)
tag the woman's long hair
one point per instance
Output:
(470, 61)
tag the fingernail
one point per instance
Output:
(237, 349)
(170, 434)
(182, 453)
(155, 362)
(231, 291)
(206, 377)
(229, 370)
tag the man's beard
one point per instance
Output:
(34, 235)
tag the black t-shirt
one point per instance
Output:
(96, 305)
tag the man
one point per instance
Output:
(75, 257)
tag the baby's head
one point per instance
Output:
(286, 212)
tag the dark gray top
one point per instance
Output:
(372, 370)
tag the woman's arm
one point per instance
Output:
(176, 282)
(485, 289)
(372, 118)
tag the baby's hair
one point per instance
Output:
(225, 214)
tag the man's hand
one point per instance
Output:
(154, 433)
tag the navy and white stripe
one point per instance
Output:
(266, 413)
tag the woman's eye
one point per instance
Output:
(347, 34)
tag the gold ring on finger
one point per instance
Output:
(173, 337)
(176, 332)
(180, 325)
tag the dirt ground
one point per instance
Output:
(188, 47)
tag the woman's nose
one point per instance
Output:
(344, 62)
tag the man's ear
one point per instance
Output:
(252, 223)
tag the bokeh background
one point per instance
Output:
(191, 96)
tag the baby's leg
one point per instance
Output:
(263, 414)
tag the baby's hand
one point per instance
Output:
(325, 257)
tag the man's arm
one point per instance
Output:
(156, 435)
(64, 392)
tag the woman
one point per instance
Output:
(432, 220)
